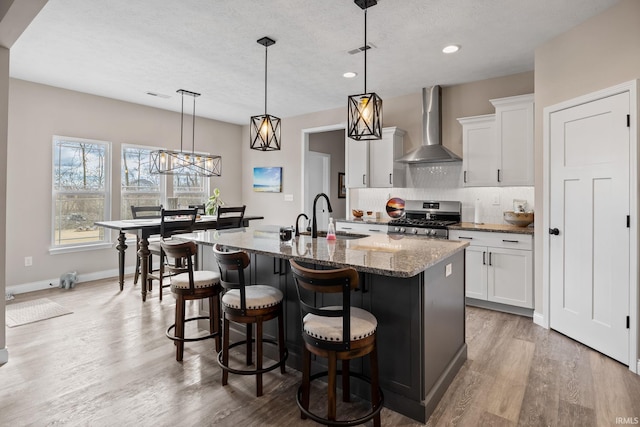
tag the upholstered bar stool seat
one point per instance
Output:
(363, 324)
(201, 279)
(257, 296)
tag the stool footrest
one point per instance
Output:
(204, 337)
(375, 410)
(253, 371)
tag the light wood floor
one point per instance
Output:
(110, 364)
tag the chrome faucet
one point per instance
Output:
(314, 224)
(297, 221)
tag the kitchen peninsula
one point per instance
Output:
(413, 285)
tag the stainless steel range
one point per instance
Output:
(427, 218)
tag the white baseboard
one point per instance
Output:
(538, 319)
(4, 355)
(54, 283)
(638, 368)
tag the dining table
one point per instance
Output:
(144, 228)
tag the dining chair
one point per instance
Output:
(172, 222)
(230, 217)
(146, 212)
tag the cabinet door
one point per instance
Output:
(510, 277)
(514, 133)
(384, 170)
(475, 275)
(357, 163)
(479, 151)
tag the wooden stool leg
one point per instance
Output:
(249, 354)
(180, 327)
(306, 379)
(346, 383)
(331, 386)
(160, 276)
(214, 318)
(225, 348)
(259, 356)
(281, 345)
(375, 382)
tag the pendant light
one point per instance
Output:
(265, 129)
(170, 162)
(365, 110)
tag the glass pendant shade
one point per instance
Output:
(172, 162)
(365, 117)
(265, 133)
(264, 130)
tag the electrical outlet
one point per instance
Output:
(28, 261)
(288, 197)
(496, 199)
(448, 270)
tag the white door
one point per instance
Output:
(510, 277)
(475, 272)
(317, 181)
(589, 203)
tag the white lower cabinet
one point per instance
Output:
(498, 266)
(364, 228)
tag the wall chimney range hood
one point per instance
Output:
(431, 150)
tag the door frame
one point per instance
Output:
(544, 320)
(305, 150)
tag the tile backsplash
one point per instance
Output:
(443, 181)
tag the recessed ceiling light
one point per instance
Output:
(452, 48)
(349, 75)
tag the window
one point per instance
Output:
(190, 189)
(139, 186)
(81, 191)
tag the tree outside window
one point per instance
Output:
(139, 186)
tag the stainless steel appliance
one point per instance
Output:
(427, 218)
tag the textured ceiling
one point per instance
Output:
(123, 49)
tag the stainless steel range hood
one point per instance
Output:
(431, 150)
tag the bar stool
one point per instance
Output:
(335, 333)
(186, 285)
(248, 304)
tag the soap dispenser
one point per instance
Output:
(331, 230)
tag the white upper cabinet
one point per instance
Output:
(498, 148)
(514, 134)
(372, 163)
(479, 163)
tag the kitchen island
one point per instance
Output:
(413, 285)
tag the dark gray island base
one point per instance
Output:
(421, 315)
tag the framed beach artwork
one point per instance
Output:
(267, 180)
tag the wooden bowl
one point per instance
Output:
(357, 213)
(520, 219)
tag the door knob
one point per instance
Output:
(554, 231)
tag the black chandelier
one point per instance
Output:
(265, 129)
(365, 110)
(171, 162)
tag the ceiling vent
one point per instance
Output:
(362, 49)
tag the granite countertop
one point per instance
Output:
(398, 256)
(495, 228)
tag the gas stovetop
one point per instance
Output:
(427, 218)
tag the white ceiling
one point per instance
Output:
(124, 48)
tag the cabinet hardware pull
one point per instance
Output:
(466, 238)
(510, 241)
(464, 179)
(347, 228)
(498, 175)
(490, 258)
(390, 179)
(363, 183)
(377, 231)
(484, 258)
